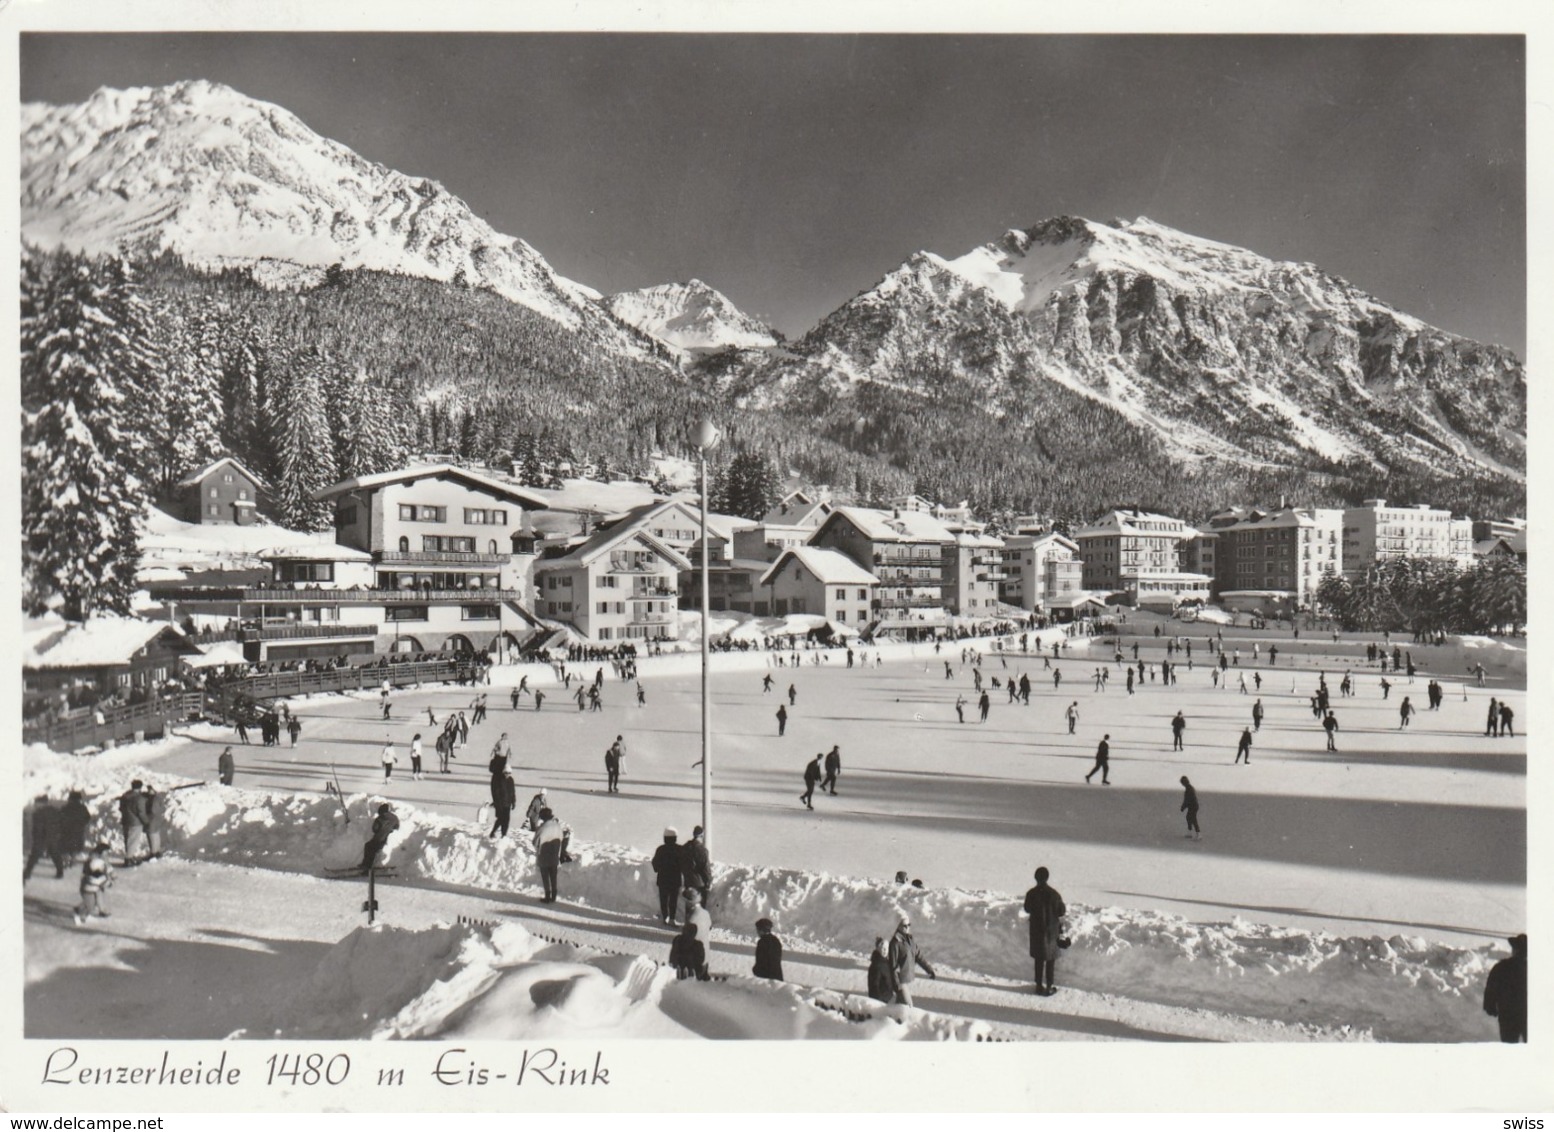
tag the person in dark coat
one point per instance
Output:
(547, 852)
(134, 820)
(1505, 993)
(696, 866)
(46, 838)
(666, 871)
(1046, 909)
(535, 813)
(811, 780)
(504, 799)
(226, 767)
(1103, 752)
(1244, 747)
(1506, 716)
(1190, 807)
(1330, 725)
(687, 955)
(1178, 725)
(782, 719)
(1493, 726)
(879, 972)
(833, 768)
(74, 821)
(768, 952)
(905, 956)
(383, 826)
(612, 769)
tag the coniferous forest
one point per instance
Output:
(136, 374)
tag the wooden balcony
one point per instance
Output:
(438, 558)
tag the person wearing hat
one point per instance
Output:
(383, 826)
(134, 820)
(666, 871)
(768, 952)
(504, 800)
(226, 767)
(696, 866)
(1046, 909)
(696, 913)
(1505, 992)
(880, 988)
(905, 956)
(531, 816)
(96, 877)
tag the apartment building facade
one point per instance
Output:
(1280, 555)
(904, 550)
(813, 579)
(1375, 532)
(1141, 556)
(620, 585)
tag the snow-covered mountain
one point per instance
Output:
(690, 316)
(222, 179)
(1218, 350)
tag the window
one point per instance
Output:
(345, 517)
(404, 545)
(406, 613)
(481, 613)
(491, 546)
(215, 493)
(841, 595)
(841, 615)
(214, 509)
(422, 513)
(607, 581)
(242, 493)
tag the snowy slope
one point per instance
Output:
(690, 316)
(221, 179)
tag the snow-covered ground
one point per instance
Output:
(1350, 895)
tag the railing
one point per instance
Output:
(886, 558)
(118, 723)
(651, 618)
(346, 597)
(931, 576)
(440, 557)
(655, 591)
(275, 684)
(303, 630)
(908, 603)
(993, 576)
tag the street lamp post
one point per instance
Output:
(706, 439)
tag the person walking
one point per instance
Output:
(982, 705)
(226, 767)
(389, 758)
(1505, 992)
(879, 981)
(1405, 713)
(768, 952)
(1072, 715)
(415, 757)
(504, 800)
(156, 821)
(1190, 808)
(294, 729)
(383, 827)
(960, 708)
(47, 841)
(1244, 747)
(1102, 761)
(1046, 909)
(812, 774)
(833, 768)
(1257, 716)
(666, 875)
(905, 957)
(74, 822)
(1330, 725)
(1178, 725)
(547, 848)
(96, 878)
(1506, 718)
(1492, 727)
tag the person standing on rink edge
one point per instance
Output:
(1505, 992)
(768, 952)
(1046, 909)
(666, 873)
(905, 956)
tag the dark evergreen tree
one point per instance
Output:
(302, 459)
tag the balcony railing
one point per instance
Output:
(905, 558)
(929, 577)
(992, 576)
(303, 630)
(323, 596)
(638, 618)
(908, 603)
(439, 558)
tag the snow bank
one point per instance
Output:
(1396, 988)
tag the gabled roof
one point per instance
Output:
(719, 526)
(1125, 522)
(1032, 542)
(602, 542)
(101, 641)
(885, 526)
(195, 477)
(794, 511)
(519, 495)
(831, 567)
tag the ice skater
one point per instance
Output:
(1103, 752)
(1244, 747)
(1190, 808)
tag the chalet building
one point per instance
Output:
(1498, 547)
(621, 585)
(1279, 556)
(1041, 569)
(811, 579)
(904, 550)
(1375, 532)
(790, 523)
(103, 656)
(222, 492)
(676, 523)
(1140, 558)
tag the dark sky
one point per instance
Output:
(792, 171)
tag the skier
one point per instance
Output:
(1046, 909)
(1505, 992)
(1102, 761)
(226, 767)
(1244, 748)
(383, 827)
(666, 873)
(905, 956)
(504, 799)
(811, 779)
(547, 848)
(1190, 807)
(833, 768)
(766, 684)
(1178, 725)
(96, 878)
(389, 759)
(768, 948)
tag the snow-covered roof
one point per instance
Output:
(720, 526)
(1288, 517)
(218, 654)
(794, 511)
(978, 539)
(195, 477)
(1137, 523)
(886, 526)
(831, 567)
(99, 641)
(602, 542)
(317, 552)
(511, 491)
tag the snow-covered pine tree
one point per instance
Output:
(301, 450)
(371, 433)
(186, 429)
(84, 462)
